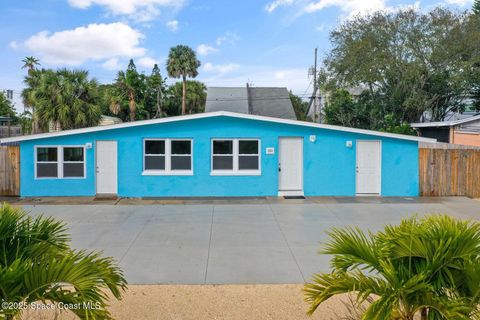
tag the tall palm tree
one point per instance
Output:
(31, 64)
(428, 267)
(38, 265)
(68, 99)
(182, 63)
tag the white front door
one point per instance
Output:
(106, 167)
(290, 166)
(369, 167)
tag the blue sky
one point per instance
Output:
(263, 42)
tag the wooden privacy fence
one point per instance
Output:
(449, 170)
(9, 170)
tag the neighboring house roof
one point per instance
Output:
(263, 101)
(444, 123)
(108, 120)
(211, 115)
(233, 99)
(271, 102)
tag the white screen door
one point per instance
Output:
(368, 168)
(290, 166)
(106, 167)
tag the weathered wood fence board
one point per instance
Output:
(449, 172)
(9, 170)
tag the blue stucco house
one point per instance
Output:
(218, 154)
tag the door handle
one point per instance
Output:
(279, 169)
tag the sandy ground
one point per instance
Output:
(182, 302)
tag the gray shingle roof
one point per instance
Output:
(271, 102)
(232, 99)
(264, 101)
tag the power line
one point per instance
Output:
(305, 93)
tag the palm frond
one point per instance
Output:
(352, 248)
(37, 264)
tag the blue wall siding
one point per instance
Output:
(329, 166)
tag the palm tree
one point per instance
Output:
(30, 63)
(38, 265)
(182, 63)
(428, 266)
(196, 96)
(476, 7)
(129, 85)
(65, 98)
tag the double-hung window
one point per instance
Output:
(59, 162)
(73, 162)
(47, 162)
(235, 157)
(167, 157)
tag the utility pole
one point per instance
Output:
(315, 98)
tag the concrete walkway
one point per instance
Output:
(229, 241)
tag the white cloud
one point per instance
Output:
(172, 25)
(349, 7)
(281, 75)
(220, 68)
(272, 6)
(146, 62)
(320, 28)
(205, 49)
(229, 37)
(111, 64)
(145, 15)
(141, 10)
(93, 42)
(13, 45)
(461, 3)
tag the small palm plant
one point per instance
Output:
(427, 267)
(38, 265)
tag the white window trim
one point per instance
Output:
(168, 158)
(236, 171)
(60, 162)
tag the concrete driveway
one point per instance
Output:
(215, 243)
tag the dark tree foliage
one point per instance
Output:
(408, 62)
(196, 95)
(6, 107)
(476, 7)
(65, 99)
(299, 106)
(155, 92)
